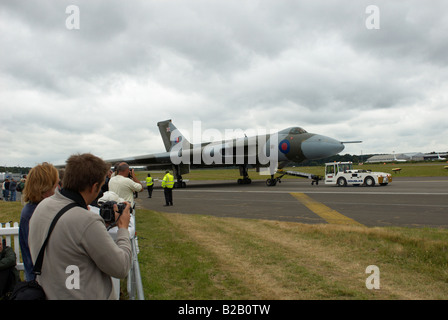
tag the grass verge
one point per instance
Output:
(203, 257)
(228, 258)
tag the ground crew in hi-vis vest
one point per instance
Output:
(167, 185)
(149, 185)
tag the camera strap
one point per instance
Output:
(40, 258)
(114, 223)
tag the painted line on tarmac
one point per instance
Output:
(326, 213)
(312, 192)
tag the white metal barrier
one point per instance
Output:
(134, 280)
(11, 233)
(135, 286)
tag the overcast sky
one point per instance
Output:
(243, 64)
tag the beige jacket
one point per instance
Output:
(81, 242)
(124, 188)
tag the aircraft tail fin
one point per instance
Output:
(170, 134)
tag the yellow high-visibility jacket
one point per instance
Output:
(149, 181)
(168, 181)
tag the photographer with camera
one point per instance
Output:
(81, 256)
(109, 205)
(125, 183)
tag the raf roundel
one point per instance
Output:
(284, 146)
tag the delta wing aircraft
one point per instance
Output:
(267, 152)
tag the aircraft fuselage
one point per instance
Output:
(292, 144)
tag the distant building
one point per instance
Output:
(400, 157)
(435, 156)
(404, 157)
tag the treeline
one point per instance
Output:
(21, 170)
(337, 158)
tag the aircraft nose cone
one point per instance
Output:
(319, 147)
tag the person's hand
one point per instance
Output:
(125, 218)
(134, 176)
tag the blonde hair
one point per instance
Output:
(40, 180)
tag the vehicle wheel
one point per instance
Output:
(271, 182)
(342, 182)
(369, 182)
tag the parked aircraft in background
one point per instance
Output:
(439, 157)
(398, 160)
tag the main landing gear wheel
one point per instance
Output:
(180, 184)
(243, 172)
(245, 180)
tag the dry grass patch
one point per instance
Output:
(282, 260)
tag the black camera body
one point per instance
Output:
(107, 210)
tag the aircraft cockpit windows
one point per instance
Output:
(297, 130)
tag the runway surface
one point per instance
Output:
(406, 202)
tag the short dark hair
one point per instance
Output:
(83, 171)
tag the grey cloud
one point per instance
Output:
(230, 64)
